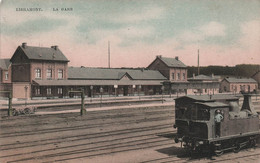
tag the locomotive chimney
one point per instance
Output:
(247, 104)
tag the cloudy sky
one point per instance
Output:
(226, 32)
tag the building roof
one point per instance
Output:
(43, 53)
(4, 63)
(203, 77)
(95, 82)
(170, 62)
(113, 74)
(213, 104)
(204, 98)
(240, 80)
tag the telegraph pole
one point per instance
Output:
(108, 54)
(198, 61)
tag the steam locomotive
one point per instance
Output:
(215, 123)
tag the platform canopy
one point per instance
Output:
(94, 82)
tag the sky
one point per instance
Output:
(225, 32)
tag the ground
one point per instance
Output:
(137, 134)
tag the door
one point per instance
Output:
(125, 90)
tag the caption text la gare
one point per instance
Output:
(62, 9)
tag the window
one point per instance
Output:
(38, 73)
(203, 114)
(178, 76)
(37, 91)
(59, 90)
(6, 75)
(48, 91)
(183, 76)
(173, 76)
(49, 73)
(60, 74)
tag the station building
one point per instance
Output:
(237, 85)
(177, 82)
(43, 72)
(203, 84)
(174, 70)
(102, 81)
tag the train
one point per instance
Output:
(215, 124)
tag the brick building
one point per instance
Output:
(236, 85)
(41, 72)
(113, 82)
(30, 64)
(203, 84)
(172, 68)
(5, 75)
(5, 71)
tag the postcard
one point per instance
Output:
(110, 60)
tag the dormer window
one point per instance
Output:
(38, 73)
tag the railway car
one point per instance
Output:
(215, 123)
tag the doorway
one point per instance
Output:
(125, 90)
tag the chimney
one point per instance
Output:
(247, 104)
(212, 75)
(193, 75)
(54, 47)
(159, 56)
(177, 58)
(24, 44)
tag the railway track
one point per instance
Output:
(81, 127)
(76, 118)
(226, 157)
(99, 135)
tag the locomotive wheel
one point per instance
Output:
(219, 152)
(237, 148)
(253, 143)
